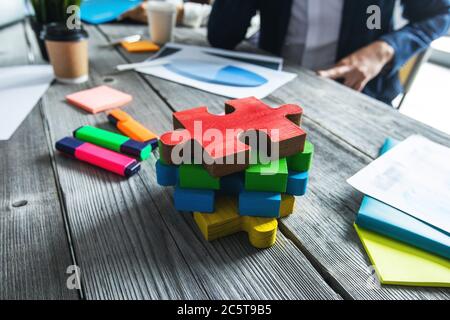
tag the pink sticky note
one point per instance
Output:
(99, 99)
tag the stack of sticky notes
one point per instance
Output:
(99, 99)
(250, 200)
(403, 249)
(140, 46)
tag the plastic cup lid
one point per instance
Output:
(161, 6)
(59, 32)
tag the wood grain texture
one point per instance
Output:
(129, 240)
(34, 251)
(347, 129)
(357, 119)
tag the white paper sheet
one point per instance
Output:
(21, 88)
(413, 177)
(275, 79)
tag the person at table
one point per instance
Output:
(348, 40)
(189, 13)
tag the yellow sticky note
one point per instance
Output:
(401, 264)
(140, 46)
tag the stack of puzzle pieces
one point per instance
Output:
(227, 199)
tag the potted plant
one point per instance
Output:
(47, 11)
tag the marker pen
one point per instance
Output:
(113, 141)
(98, 156)
(131, 128)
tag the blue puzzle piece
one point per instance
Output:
(259, 204)
(297, 183)
(232, 184)
(166, 175)
(194, 200)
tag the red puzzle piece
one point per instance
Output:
(249, 114)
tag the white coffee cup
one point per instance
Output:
(161, 20)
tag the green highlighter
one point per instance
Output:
(114, 141)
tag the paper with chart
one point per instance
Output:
(413, 177)
(21, 88)
(226, 77)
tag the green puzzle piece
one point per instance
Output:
(271, 177)
(195, 176)
(302, 161)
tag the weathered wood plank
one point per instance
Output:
(130, 241)
(34, 251)
(322, 227)
(356, 118)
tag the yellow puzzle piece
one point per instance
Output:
(225, 221)
(287, 205)
(401, 264)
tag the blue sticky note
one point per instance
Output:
(379, 217)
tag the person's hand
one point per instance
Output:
(360, 67)
(138, 13)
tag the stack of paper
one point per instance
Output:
(222, 72)
(405, 247)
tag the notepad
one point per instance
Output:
(413, 177)
(99, 99)
(140, 46)
(397, 263)
(378, 217)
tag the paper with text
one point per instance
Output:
(413, 177)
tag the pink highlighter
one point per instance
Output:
(97, 156)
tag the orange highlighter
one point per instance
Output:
(131, 128)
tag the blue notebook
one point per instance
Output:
(379, 217)
(101, 11)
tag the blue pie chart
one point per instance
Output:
(217, 73)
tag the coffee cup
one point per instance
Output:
(68, 52)
(161, 19)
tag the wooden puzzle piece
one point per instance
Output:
(271, 177)
(302, 161)
(232, 184)
(166, 175)
(297, 183)
(195, 176)
(226, 221)
(259, 204)
(287, 205)
(281, 125)
(194, 200)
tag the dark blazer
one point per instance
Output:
(428, 20)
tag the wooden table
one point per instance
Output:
(126, 236)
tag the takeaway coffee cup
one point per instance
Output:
(161, 20)
(68, 52)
